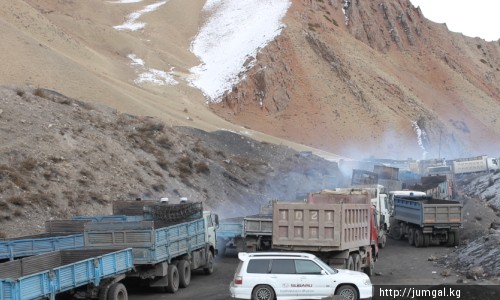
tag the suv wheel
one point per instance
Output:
(347, 292)
(263, 292)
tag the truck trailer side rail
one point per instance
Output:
(38, 244)
(150, 245)
(45, 275)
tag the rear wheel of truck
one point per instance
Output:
(451, 239)
(173, 279)
(457, 238)
(357, 262)
(117, 291)
(350, 263)
(411, 236)
(369, 269)
(419, 238)
(184, 273)
(427, 239)
(396, 232)
(347, 292)
(209, 267)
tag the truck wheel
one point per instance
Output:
(117, 291)
(419, 238)
(357, 262)
(263, 292)
(209, 267)
(451, 239)
(396, 232)
(350, 263)
(369, 269)
(184, 273)
(173, 279)
(411, 236)
(427, 239)
(347, 292)
(457, 238)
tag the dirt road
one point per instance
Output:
(399, 264)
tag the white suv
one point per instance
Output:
(288, 276)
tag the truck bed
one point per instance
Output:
(427, 211)
(152, 242)
(258, 225)
(321, 226)
(47, 274)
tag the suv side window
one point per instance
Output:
(307, 267)
(259, 266)
(283, 266)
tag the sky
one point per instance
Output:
(478, 18)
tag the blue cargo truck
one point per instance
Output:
(424, 220)
(83, 274)
(228, 230)
(59, 235)
(164, 252)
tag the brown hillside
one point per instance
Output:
(348, 86)
(354, 87)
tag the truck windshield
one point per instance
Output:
(325, 266)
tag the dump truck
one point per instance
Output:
(379, 200)
(81, 274)
(227, 231)
(424, 220)
(337, 226)
(165, 248)
(249, 234)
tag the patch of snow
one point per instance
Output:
(233, 35)
(151, 75)
(345, 7)
(156, 77)
(131, 22)
(135, 60)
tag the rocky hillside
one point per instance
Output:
(364, 78)
(61, 157)
(353, 78)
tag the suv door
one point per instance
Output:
(313, 282)
(284, 275)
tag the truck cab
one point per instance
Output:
(211, 224)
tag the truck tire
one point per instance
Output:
(350, 263)
(396, 232)
(357, 262)
(419, 238)
(411, 236)
(457, 238)
(451, 239)
(427, 239)
(117, 291)
(173, 279)
(184, 273)
(263, 292)
(347, 292)
(369, 269)
(209, 267)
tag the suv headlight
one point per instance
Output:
(367, 281)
